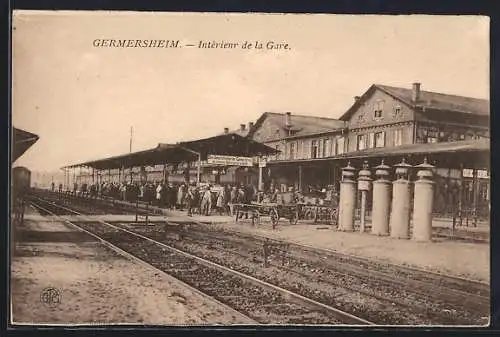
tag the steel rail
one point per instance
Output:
(342, 315)
(147, 265)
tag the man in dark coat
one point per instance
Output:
(173, 196)
(249, 194)
(241, 198)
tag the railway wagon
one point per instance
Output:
(21, 181)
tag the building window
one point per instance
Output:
(299, 149)
(277, 151)
(326, 147)
(371, 140)
(333, 149)
(314, 149)
(340, 145)
(380, 139)
(292, 150)
(361, 142)
(397, 111)
(378, 107)
(398, 137)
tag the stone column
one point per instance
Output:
(347, 199)
(364, 184)
(381, 200)
(423, 202)
(400, 215)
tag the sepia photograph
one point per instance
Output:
(249, 169)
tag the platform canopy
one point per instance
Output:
(469, 153)
(21, 141)
(227, 144)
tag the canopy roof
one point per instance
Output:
(467, 152)
(228, 144)
(22, 141)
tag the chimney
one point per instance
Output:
(356, 98)
(288, 119)
(242, 127)
(415, 95)
(250, 125)
(226, 131)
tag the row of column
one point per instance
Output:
(390, 207)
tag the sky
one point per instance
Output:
(82, 100)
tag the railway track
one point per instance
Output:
(406, 273)
(354, 273)
(461, 235)
(385, 298)
(93, 206)
(411, 276)
(263, 302)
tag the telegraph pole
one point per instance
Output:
(131, 133)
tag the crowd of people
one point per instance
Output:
(200, 199)
(204, 199)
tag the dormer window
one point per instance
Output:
(397, 111)
(378, 107)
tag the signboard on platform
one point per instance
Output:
(229, 160)
(469, 173)
(483, 174)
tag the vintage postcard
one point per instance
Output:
(249, 169)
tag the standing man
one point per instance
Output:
(123, 190)
(180, 196)
(206, 201)
(141, 191)
(159, 188)
(221, 201)
(233, 196)
(241, 199)
(190, 199)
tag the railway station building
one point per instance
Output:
(385, 123)
(391, 124)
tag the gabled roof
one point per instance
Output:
(301, 124)
(428, 100)
(22, 141)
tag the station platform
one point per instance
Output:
(468, 260)
(174, 216)
(89, 283)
